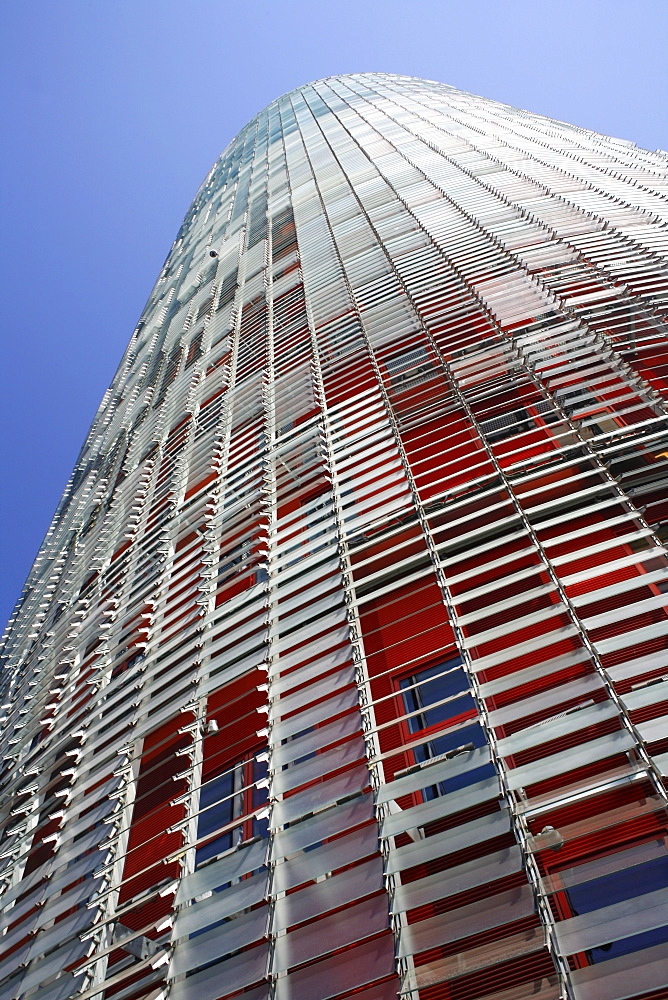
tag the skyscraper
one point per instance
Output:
(342, 668)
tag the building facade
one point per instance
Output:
(342, 669)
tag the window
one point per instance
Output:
(120, 668)
(507, 424)
(436, 695)
(619, 887)
(437, 701)
(228, 803)
(410, 368)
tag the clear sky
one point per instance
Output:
(114, 110)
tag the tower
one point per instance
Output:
(341, 669)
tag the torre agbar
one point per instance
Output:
(342, 670)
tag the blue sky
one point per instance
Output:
(114, 110)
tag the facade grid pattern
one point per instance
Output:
(341, 671)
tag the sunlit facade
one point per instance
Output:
(342, 670)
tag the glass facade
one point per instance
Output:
(342, 670)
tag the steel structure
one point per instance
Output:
(342, 668)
